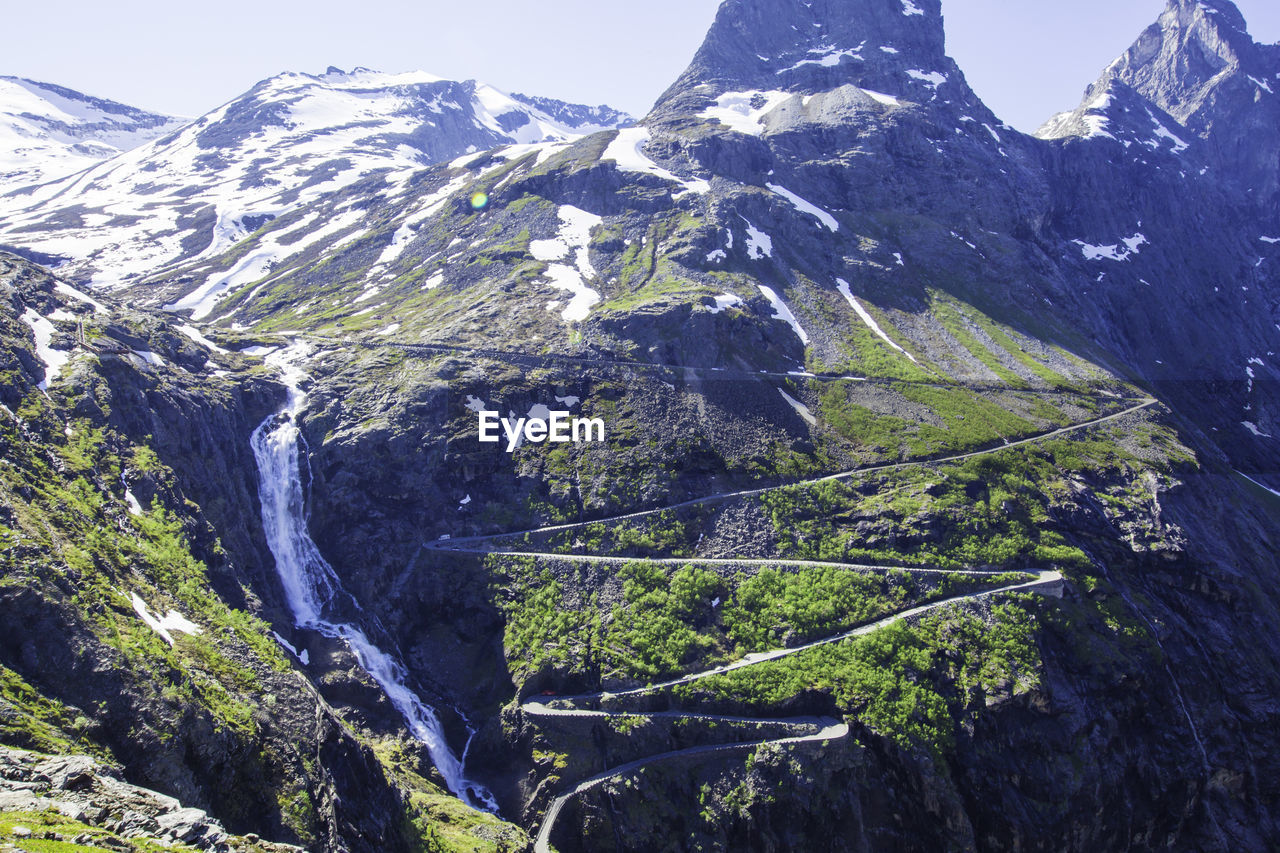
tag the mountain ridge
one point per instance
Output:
(858, 347)
(287, 140)
(49, 131)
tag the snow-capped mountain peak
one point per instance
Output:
(288, 141)
(48, 131)
(1198, 65)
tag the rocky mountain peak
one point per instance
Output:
(1212, 13)
(1115, 111)
(1198, 64)
(896, 47)
(1187, 54)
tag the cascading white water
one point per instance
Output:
(310, 583)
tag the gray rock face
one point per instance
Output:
(819, 193)
(797, 46)
(1199, 64)
(91, 793)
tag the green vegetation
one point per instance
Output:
(31, 721)
(883, 435)
(668, 621)
(971, 421)
(953, 314)
(944, 419)
(660, 629)
(51, 832)
(953, 321)
(992, 510)
(867, 354)
(540, 633)
(435, 820)
(72, 550)
(912, 683)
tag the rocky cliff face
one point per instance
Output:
(1199, 64)
(132, 558)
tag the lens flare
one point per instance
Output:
(479, 201)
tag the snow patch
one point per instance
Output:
(1259, 485)
(171, 621)
(782, 312)
(801, 409)
(304, 656)
(881, 97)
(627, 150)
(759, 244)
(745, 111)
(148, 357)
(1163, 132)
(53, 359)
(1253, 428)
(1262, 84)
(69, 291)
(1121, 251)
(408, 230)
(932, 79)
(826, 57)
(847, 293)
(724, 302)
(572, 242)
(194, 334)
(806, 207)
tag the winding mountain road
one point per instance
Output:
(1047, 582)
(460, 543)
(542, 359)
(827, 729)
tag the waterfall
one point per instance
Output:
(310, 584)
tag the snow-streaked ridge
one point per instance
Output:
(290, 143)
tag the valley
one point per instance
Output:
(926, 502)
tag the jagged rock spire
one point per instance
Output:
(1198, 64)
(810, 46)
(1186, 55)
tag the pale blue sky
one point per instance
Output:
(1026, 59)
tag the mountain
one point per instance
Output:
(891, 48)
(1199, 64)
(48, 132)
(1186, 116)
(290, 140)
(936, 506)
